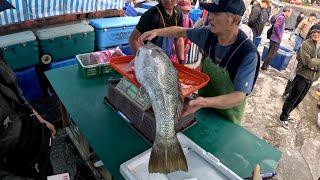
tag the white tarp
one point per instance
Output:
(35, 9)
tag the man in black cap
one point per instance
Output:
(308, 71)
(230, 59)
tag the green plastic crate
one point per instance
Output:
(65, 41)
(88, 66)
(20, 50)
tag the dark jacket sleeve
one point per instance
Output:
(254, 15)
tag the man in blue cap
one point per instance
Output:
(231, 60)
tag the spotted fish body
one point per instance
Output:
(157, 75)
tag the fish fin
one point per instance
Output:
(180, 104)
(167, 157)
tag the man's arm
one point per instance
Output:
(174, 31)
(133, 40)
(300, 26)
(225, 101)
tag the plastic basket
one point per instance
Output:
(190, 79)
(195, 14)
(88, 66)
(143, 122)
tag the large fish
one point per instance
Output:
(157, 75)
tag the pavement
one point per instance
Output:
(300, 145)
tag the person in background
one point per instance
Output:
(25, 137)
(294, 66)
(231, 60)
(276, 36)
(299, 19)
(302, 30)
(185, 7)
(258, 18)
(308, 71)
(162, 15)
(315, 26)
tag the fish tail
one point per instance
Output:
(167, 157)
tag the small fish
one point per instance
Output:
(157, 75)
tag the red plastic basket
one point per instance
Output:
(190, 79)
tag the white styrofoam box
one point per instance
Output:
(202, 165)
(113, 31)
(64, 176)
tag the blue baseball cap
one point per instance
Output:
(232, 6)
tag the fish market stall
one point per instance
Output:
(114, 142)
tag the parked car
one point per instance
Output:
(277, 3)
(296, 2)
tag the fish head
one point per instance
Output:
(150, 51)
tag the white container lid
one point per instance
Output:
(64, 31)
(202, 166)
(17, 38)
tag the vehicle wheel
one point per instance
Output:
(46, 59)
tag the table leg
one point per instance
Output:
(64, 115)
(82, 146)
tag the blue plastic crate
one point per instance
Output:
(258, 40)
(149, 4)
(129, 10)
(29, 83)
(195, 14)
(126, 50)
(281, 60)
(63, 63)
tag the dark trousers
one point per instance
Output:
(273, 48)
(299, 89)
(288, 88)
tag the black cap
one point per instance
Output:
(232, 6)
(315, 28)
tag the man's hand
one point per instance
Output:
(187, 48)
(147, 36)
(193, 106)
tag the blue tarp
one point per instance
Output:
(35, 9)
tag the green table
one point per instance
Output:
(115, 142)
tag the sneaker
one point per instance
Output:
(263, 68)
(284, 124)
(285, 96)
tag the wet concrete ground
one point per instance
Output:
(300, 145)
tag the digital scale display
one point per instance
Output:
(134, 93)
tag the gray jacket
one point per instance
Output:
(308, 61)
